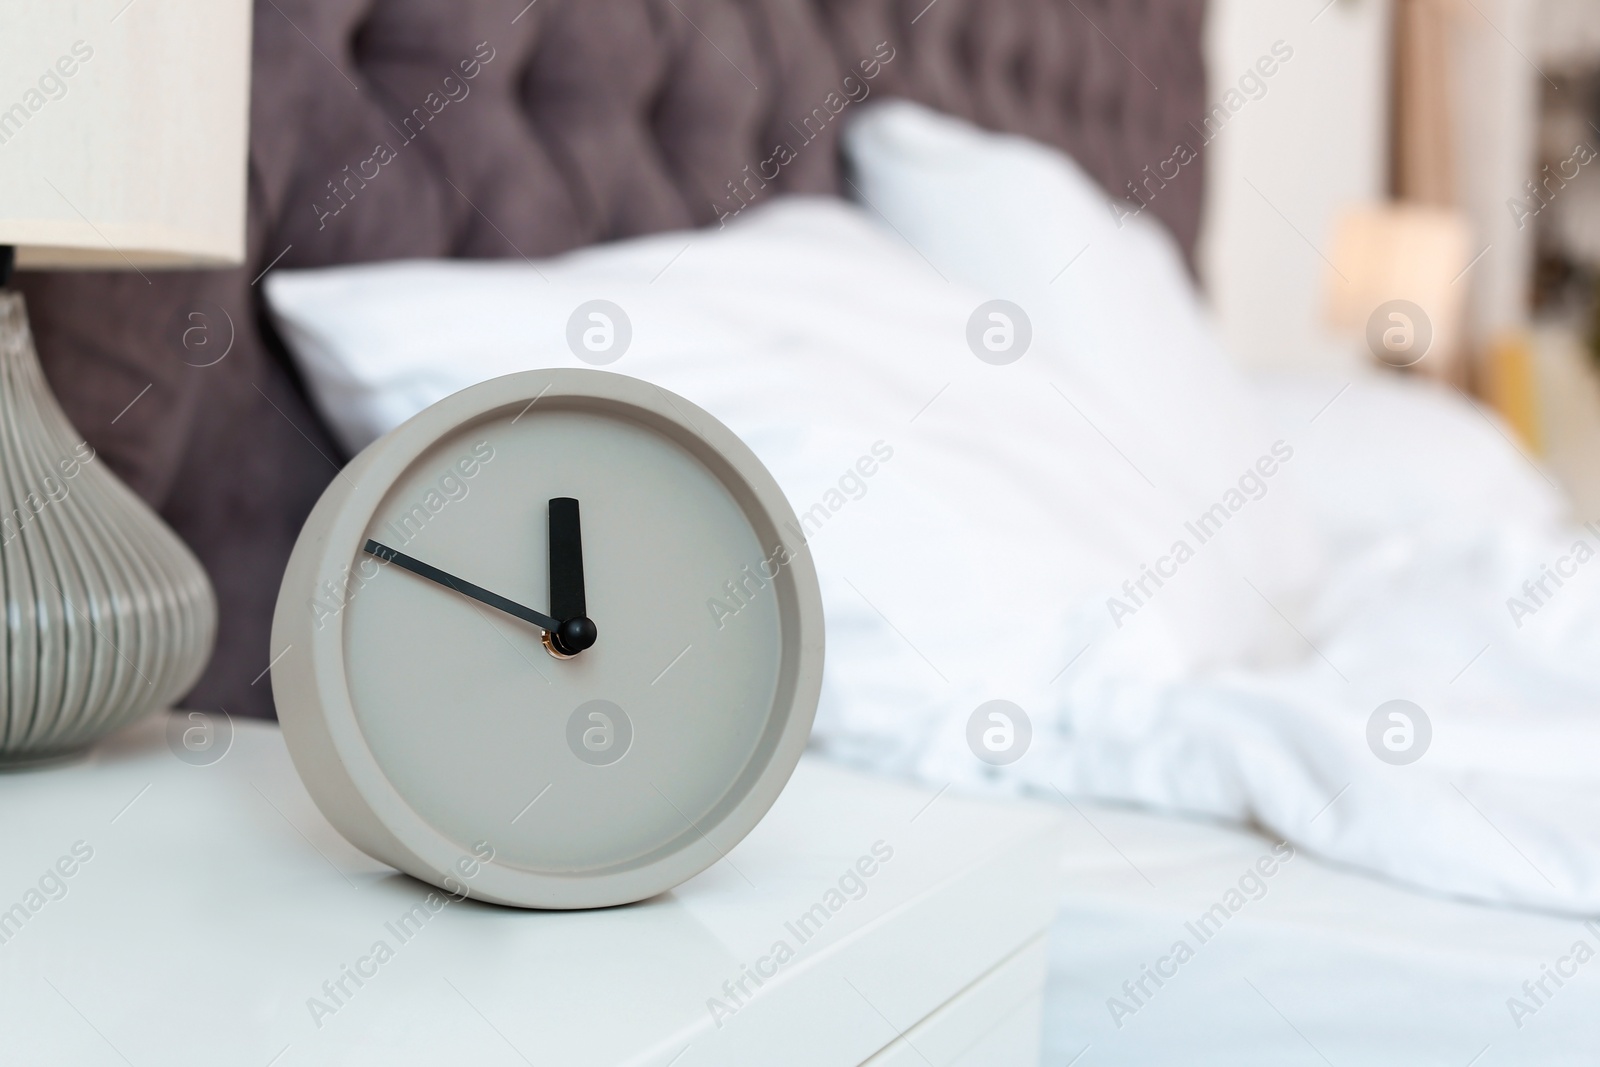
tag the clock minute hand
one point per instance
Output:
(461, 585)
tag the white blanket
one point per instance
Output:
(1426, 521)
(1505, 803)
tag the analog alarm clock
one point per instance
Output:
(554, 642)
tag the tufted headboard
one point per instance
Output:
(384, 129)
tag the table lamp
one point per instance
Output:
(122, 147)
(1396, 279)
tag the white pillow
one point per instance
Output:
(1023, 222)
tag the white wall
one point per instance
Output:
(1496, 120)
(1284, 164)
(1317, 141)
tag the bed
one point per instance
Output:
(1320, 965)
(592, 121)
(558, 127)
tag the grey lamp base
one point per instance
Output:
(107, 614)
(41, 761)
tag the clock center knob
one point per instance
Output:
(572, 636)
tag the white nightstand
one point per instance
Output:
(212, 915)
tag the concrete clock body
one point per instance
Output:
(506, 672)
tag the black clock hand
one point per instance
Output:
(566, 559)
(465, 588)
(567, 602)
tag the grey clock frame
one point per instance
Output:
(319, 720)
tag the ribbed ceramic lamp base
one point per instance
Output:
(108, 616)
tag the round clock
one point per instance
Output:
(554, 642)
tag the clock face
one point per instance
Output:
(562, 635)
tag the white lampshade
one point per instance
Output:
(1400, 252)
(123, 132)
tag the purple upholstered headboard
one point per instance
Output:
(582, 121)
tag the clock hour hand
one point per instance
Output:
(567, 601)
(460, 585)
